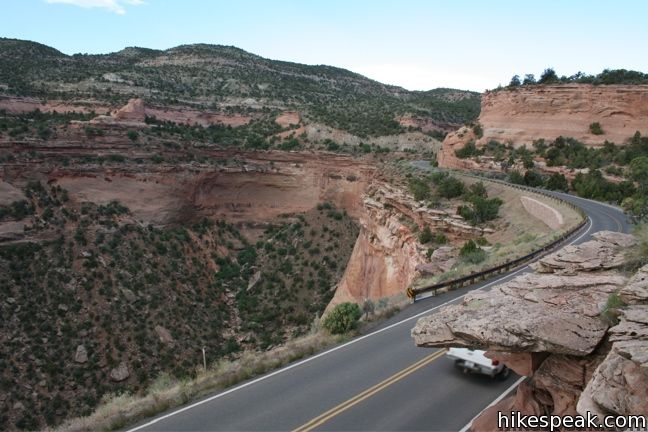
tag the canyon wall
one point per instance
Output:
(236, 186)
(388, 256)
(528, 113)
(558, 326)
(548, 111)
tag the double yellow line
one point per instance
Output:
(323, 418)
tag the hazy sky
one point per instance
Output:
(418, 45)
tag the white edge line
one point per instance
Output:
(309, 359)
(499, 398)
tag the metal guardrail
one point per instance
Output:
(511, 264)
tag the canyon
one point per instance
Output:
(156, 202)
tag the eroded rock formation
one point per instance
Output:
(388, 256)
(553, 326)
(125, 114)
(548, 111)
(525, 114)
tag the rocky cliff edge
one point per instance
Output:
(577, 328)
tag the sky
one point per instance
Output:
(418, 45)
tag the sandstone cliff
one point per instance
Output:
(553, 326)
(528, 113)
(387, 256)
(548, 111)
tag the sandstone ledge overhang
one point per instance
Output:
(556, 313)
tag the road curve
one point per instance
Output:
(378, 381)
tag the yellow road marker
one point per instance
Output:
(323, 418)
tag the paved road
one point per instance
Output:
(378, 381)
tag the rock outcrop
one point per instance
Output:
(604, 253)
(133, 111)
(620, 383)
(120, 373)
(387, 256)
(175, 114)
(553, 326)
(288, 118)
(547, 111)
(81, 354)
(528, 113)
(132, 114)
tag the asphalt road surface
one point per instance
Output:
(379, 381)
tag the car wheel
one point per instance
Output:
(504, 373)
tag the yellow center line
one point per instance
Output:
(324, 417)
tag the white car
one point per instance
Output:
(470, 360)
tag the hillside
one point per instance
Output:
(227, 78)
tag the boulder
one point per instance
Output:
(133, 111)
(81, 354)
(120, 373)
(164, 335)
(441, 260)
(636, 291)
(256, 277)
(129, 295)
(619, 386)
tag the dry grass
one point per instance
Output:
(117, 411)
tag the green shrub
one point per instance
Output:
(343, 318)
(468, 150)
(516, 178)
(481, 241)
(478, 130)
(595, 128)
(637, 255)
(557, 181)
(533, 179)
(290, 144)
(425, 236)
(419, 188)
(450, 187)
(471, 253)
(132, 135)
(468, 248)
(440, 238)
(610, 312)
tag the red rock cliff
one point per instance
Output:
(525, 114)
(548, 111)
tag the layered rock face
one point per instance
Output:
(529, 113)
(548, 111)
(131, 114)
(551, 326)
(388, 256)
(242, 187)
